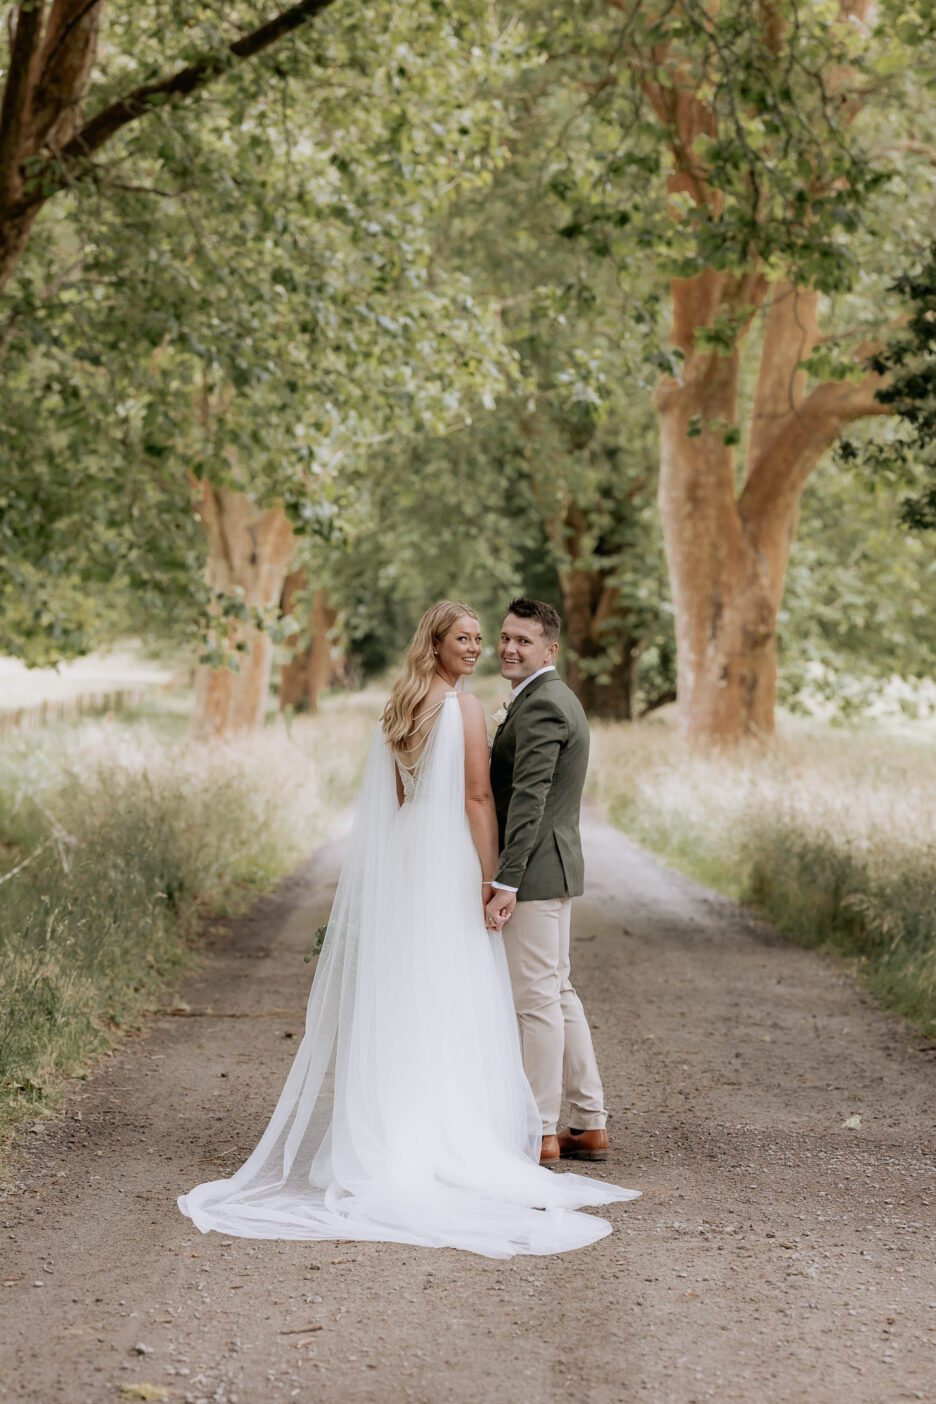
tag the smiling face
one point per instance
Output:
(522, 649)
(458, 652)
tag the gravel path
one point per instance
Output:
(782, 1251)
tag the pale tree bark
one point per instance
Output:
(44, 138)
(727, 552)
(312, 668)
(249, 548)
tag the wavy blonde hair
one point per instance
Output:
(418, 667)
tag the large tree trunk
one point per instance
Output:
(725, 629)
(728, 552)
(250, 549)
(724, 613)
(312, 668)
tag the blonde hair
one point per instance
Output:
(418, 667)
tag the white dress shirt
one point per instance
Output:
(525, 682)
(514, 694)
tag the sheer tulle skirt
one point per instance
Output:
(406, 1115)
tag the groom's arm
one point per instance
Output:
(541, 730)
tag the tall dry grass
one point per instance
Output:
(124, 837)
(830, 833)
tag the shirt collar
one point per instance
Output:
(515, 692)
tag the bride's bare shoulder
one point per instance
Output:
(474, 726)
(471, 708)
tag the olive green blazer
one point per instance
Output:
(538, 761)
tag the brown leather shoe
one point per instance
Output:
(583, 1145)
(549, 1150)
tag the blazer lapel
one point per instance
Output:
(500, 730)
(518, 702)
(527, 691)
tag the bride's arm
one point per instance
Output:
(479, 801)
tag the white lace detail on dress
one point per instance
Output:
(408, 778)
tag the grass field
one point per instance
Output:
(830, 832)
(117, 837)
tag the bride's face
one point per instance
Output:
(460, 649)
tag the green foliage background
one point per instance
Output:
(407, 272)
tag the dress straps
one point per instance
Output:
(424, 728)
(421, 718)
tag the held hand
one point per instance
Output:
(499, 908)
(487, 892)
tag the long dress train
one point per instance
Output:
(406, 1115)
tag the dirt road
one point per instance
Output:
(782, 1251)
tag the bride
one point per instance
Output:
(406, 1116)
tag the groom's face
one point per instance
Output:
(522, 650)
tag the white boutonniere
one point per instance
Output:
(500, 716)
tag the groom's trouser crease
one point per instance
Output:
(556, 1039)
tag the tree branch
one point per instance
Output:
(67, 58)
(145, 189)
(790, 334)
(786, 461)
(918, 148)
(17, 94)
(60, 29)
(119, 114)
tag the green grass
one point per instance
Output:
(130, 838)
(829, 833)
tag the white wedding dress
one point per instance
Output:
(406, 1115)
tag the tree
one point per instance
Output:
(402, 278)
(613, 599)
(592, 478)
(247, 309)
(45, 141)
(492, 511)
(315, 664)
(756, 133)
(573, 433)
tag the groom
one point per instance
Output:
(538, 763)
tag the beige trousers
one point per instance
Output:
(554, 1033)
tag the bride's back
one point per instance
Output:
(426, 717)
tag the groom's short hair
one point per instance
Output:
(525, 608)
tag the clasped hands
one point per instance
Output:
(498, 906)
